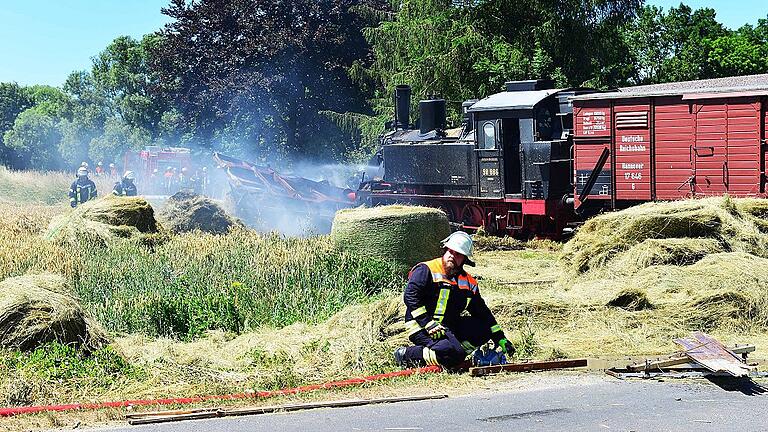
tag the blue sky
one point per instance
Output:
(732, 13)
(42, 41)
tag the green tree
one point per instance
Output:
(260, 72)
(14, 99)
(117, 138)
(34, 138)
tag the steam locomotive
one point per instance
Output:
(506, 169)
(534, 160)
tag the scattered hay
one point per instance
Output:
(186, 212)
(490, 243)
(106, 220)
(631, 299)
(730, 222)
(358, 339)
(403, 234)
(37, 309)
(674, 251)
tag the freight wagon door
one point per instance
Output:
(709, 151)
(592, 145)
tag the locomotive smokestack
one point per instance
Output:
(432, 115)
(402, 106)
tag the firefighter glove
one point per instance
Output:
(73, 204)
(506, 346)
(435, 330)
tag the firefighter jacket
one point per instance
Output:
(432, 296)
(124, 188)
(82, 190)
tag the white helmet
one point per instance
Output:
(129, 175)
(84, 164)
(460, 242)
(82, 171)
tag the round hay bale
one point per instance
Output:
(103, 221)
(121, 211)
(185, 212)
(405, 235)
(36, 309)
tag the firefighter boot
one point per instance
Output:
(407, 357)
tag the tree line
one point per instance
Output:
(282, 81)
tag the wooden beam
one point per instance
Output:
(205, 413)
(527, 367)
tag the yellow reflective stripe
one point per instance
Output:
(412, 327)
(442, 304)
(469, 299)
(496, 328)
(72, 199)
(430, 357)
(468, 347)
(419, 311)
(439, 277)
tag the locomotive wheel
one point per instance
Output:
(472, 215)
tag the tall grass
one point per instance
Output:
(43, 187)
(235, 282)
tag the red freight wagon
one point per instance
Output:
(670, 141)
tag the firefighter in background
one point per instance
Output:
(99, 169)
(82, 189)
(126, 187)
(183, 179)
(112, 170)
(446, 319)
(168, 179)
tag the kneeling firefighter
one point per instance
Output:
(445, 317)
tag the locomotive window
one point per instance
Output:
(489, 136)
(543, 124)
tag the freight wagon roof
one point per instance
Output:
(514, 100)
(749, 85)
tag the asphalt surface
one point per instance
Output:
(566, 403)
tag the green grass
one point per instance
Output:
(236, 282)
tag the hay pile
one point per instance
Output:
(185, 212)
(105, 221)
(359, 339)
(405, 235)
(677, 233)
(37, 309)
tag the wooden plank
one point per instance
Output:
(173, 418)
(329, 404)
(205, 413)
(169, 412)
(527, 367)
(711, 354)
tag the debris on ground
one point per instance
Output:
(104, 221)
(37, 309)
(186, 212)
(701, 355)
(406, 235)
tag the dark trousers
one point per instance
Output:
(449, 349)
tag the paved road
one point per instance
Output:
(570, 404)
